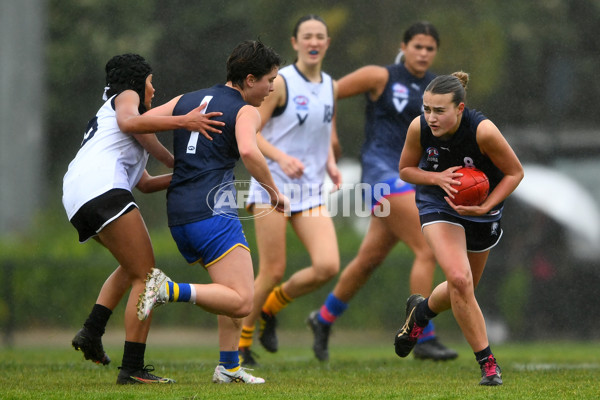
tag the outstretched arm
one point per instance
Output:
(369, 79)
(161, 118)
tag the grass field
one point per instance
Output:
(363, 366)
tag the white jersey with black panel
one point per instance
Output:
(108, 159)
(302, 130)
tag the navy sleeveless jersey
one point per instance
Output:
(460, 150)
(203, 166)
(387, 121)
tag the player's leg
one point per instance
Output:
(316, 231)
(270, 232)
(491, 374)
(114, 288)
(375, 246)
(128, 240)
(226, 295)
(458, 292)
(448, 243)
(234, 271)
(404, 222)
(89, 338)
(89, 219)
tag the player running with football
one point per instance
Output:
(394, 97)
(446, 137)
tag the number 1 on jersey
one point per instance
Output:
(193, 142)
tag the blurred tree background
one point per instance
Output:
(532, 65)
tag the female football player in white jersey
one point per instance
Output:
(98, 199)
(296, 140)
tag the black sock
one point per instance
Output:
(96, 322)
(482, 356)
(133, 356)
(423, 313)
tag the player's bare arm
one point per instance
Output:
(493, 144)
(151, 184)
(247, 125)
(291, 166)
(155, 148)
(371, 79)
(159, 118)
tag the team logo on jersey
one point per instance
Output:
(433, 154)
(399, 90)
(301, 102)
(301, 108)
(399, 96)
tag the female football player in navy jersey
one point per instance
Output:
(98, 199)
(446, 137)
(207, 230)
(394, 98)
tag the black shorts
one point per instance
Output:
(481, 236)
(100, 211)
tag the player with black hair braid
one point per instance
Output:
(98, 199)
(127, 71)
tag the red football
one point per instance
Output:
(473, 189)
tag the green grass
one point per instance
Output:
(362, 367)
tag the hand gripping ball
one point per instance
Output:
(473, 189)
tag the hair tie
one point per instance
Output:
(104, 96)
(398, 59)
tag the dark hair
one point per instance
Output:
(455, 84)
(127, 71)
(308, 17)
(421, 28)
(251, 57)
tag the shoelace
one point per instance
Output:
(416, 331)
(490, 366)
(147, 369)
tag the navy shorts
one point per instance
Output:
(481, 236)
(209, 240)
(94, 215)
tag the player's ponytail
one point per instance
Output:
(455, 83)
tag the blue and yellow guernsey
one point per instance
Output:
(203, 166)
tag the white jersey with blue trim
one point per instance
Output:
(108, 159)
(301, 129)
